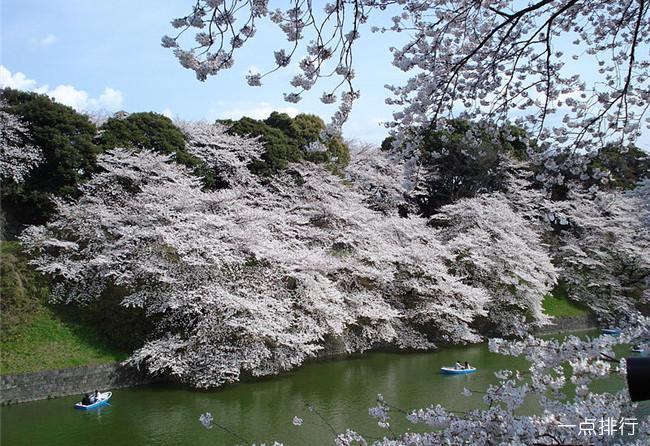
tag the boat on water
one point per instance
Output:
(637, 350)
(610, 331)
(456, 371)
(101, 399)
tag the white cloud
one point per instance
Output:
(68, 95)
(255, 110)
(111, 99)
(16, 81)
(45, 41)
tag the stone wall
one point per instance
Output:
(75, 381)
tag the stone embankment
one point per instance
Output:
(34, 386)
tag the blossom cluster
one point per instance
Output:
(495, 60)
(17, 156)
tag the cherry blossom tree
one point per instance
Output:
(496, 60)
(603, 250)
(381, 174)
(497, 249)
(64, 141)
(642, 192)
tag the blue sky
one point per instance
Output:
(101, 55)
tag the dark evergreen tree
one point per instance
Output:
(147, 130)
(626, 168)
(289, 140)
(463, 159)
(280, 149)
(69, 158)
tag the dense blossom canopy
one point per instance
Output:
(257, 276)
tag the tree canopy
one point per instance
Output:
(461, 159)
(261, 273)
(625, 169)
(17, 155)
(289, 140)
(145, 131)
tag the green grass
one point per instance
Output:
(49, 342)
(558, 303)
(562, 308)
(35, 335)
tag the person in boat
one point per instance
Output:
(86, 400)
(95, 396)
(458, 366)
(467, 366)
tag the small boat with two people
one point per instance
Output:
(638, 349)
(458, 369)
(95, 400)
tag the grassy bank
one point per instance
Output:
(48, 342)
(36, 335)
(558, 304)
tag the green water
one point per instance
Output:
(262, 411)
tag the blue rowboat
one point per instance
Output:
(638, 350)
(455, 371)
(610, 331)
(103, 399)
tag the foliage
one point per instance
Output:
(145, 131)
(625, 168)
(606, 169)
(603, 250)
(257, 275)
(381, 176)
(642, 193)
(498, 250)
(496, 60)
(280, 150)
(461, 159)
(65, 139)
(289, 140)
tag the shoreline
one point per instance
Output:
(46, 384)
